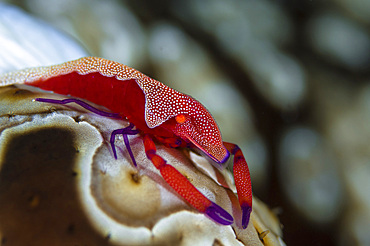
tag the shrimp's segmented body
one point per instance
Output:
(156, 110)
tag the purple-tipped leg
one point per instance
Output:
(125, 132)
(219, 215)
(82, 104)
(246, 210)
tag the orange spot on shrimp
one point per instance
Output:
(180, 118)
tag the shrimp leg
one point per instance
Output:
(82, 104)
(242, 182)
(124, 131)
(183, 187)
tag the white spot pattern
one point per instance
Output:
(162, 102)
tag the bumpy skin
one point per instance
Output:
(157, 111)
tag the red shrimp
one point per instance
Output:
(157, 112)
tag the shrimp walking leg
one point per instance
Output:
(124, 131)
(82, 104)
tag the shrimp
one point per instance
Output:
(155, 111)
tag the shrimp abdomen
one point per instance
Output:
(106, 91)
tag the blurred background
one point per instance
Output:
(286, 80)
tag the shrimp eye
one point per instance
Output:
(180, 118)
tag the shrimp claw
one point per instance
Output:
(219, 215)
(184, 188)
(242, 182)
